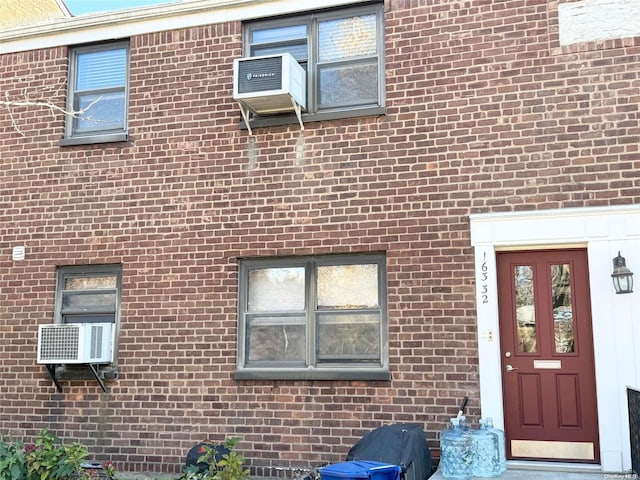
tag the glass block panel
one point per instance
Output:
(276, 289)
(353, 338)
(345, 38)
(101, 69)
(525, 308)
(348, 286)
(101, 111)
(563, 320)
(276, 339)
(91, 283)
(348, 84)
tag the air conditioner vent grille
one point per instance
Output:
(59, 343)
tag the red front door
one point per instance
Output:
(547, 356)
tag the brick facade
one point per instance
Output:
(486, 112)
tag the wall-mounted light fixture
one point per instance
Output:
(622, 276)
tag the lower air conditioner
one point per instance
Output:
(66, 343)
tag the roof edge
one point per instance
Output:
(149, 19)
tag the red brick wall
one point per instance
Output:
(485, 113)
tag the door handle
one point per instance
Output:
(511, 368)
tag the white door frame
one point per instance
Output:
(603, 231)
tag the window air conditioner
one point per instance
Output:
(65, 343)
(269, 84)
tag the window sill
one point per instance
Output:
(279, 120)
(377, 374)
(97, 138)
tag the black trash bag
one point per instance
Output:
(200, 449)
(403, 444)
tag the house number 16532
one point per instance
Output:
(484, 287)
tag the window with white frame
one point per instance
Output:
(318, 317)
(98, 93)
(342, 52)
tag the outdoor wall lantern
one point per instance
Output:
(622, 276)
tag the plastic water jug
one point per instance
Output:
(455, 451)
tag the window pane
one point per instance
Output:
(88, 300)
(298, 51)
(279, 34)
(96, 318)
(349, 337)
(276, 339)
(276, 289)
(101, 69)
(525, 308)
(347, 38)
(90, 283)
(106, 112)
(562, 310)
(354, 84)
(348, 286)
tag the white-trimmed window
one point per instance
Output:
(342, 52)
(97, 99)
(318, 317)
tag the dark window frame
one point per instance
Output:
(313, 369)
(60, 314)
(311, 20)
(107, 135)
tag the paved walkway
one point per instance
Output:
(547, 474)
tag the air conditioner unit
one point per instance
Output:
(65, 343)
(269, 84)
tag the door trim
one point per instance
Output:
(603, 231)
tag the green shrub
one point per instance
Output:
(229, 467)
(13, 464)
(46, 459)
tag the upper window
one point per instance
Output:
(313, 317)
(98, 92)
(342, 52)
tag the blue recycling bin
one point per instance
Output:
(360, 470)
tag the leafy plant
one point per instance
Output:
(43, 461)
(46, 459)
(222, 463)
(12, 461)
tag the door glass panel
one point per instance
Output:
(562, 311)
(525, 308)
